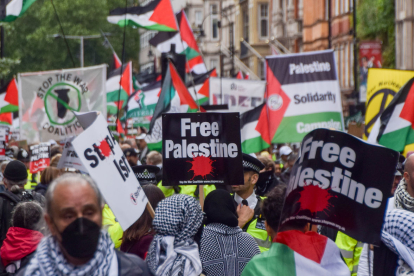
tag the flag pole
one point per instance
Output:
(150, 209)
(186, 60)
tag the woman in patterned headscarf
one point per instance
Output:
(173, 251)
(225, 249)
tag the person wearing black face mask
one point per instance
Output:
(77, 245)
(267, 179)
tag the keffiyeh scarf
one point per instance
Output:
(173, 251)
(403, 200)
(49, 260)
(398, 235)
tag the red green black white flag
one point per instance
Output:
(157, 15)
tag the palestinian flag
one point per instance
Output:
(116, 61)
(141, 104)
(174, 98)
(157, 15)
(185, 43)
(11, 98)
(15, 9)
(296, 253)
(9, 102)
(254, 130)
(202, 86)
(303, 94)
(113, 95)
(239, 75)
(394, 129)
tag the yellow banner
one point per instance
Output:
(382, 85)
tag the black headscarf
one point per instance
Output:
(220, 208)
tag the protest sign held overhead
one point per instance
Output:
(47, 101)
(382, 86)
(302, 94)
(70, 158)
(201, 148)
(105, 162)
(342, 182)
(239, 95)
(39, 157)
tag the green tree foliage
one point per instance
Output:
(29, 40)
(375, 20)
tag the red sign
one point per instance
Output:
(370, 55)
(39, 157)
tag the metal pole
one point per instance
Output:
(81, 51)
(231, 38)
(355, 50)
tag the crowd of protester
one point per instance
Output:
(57, 223)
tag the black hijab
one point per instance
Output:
(220, 208)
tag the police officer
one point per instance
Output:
(248, 203)
(32, 179)
(146, 174)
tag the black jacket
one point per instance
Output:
(41, 188)
(8, 201)
(128, 265)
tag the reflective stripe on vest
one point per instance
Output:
(350, 250)
(261, 237)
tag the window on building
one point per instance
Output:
(327, 9)
(145, 38)
(198, 18)
(337, 6)
(214, 64)
(264, 20)
(262, 70)
(214, 22)
(246, 24)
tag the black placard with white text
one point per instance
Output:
(342, 182)
(201, 149)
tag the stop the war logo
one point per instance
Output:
(342, 182)
(201, 148)
(62, 95)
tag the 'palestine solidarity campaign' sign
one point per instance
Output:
(48, 99)
(201, 148)
(303, 94)
(342, 182)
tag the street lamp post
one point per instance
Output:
(81, 38)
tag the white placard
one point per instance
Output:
(239, 95)
(69, 158)
(105, 162)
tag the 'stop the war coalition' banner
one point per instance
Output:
(342, 182)
(48, 99)
(302, 94)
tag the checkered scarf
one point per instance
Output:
(398, 235)
(49, 260)
(403, 200)
(173, 251)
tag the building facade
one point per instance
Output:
(404, 34)
(287, 23)
(327, 25)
